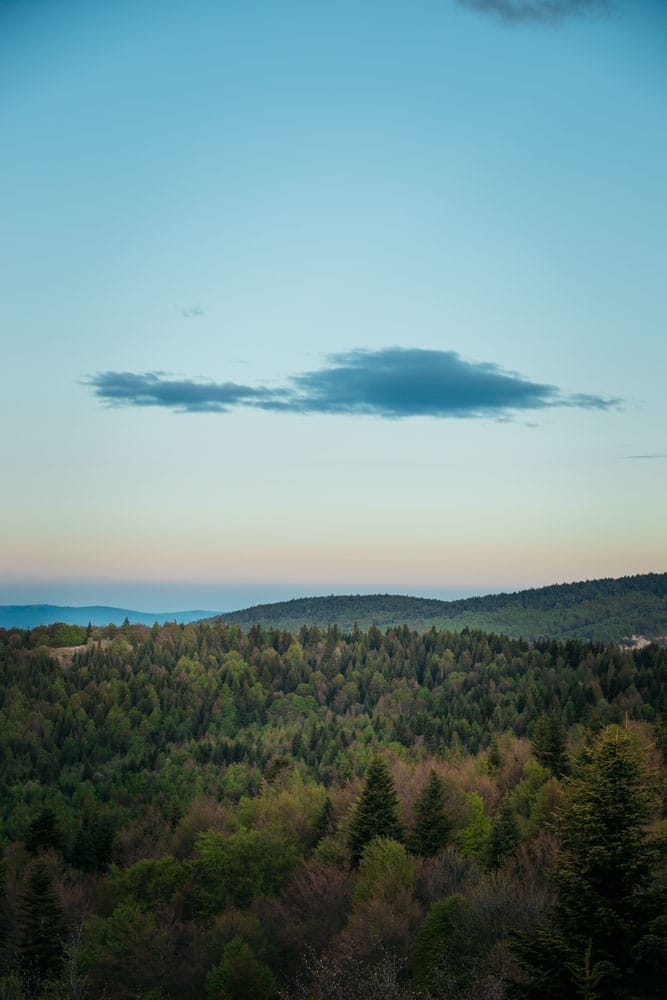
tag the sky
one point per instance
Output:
(301, 297)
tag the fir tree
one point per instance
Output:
(548, 744)
(376, 814)
(41, 926)
(607, 931)
(44, 833)
(504, 836)
(432, 827)
(5, 920)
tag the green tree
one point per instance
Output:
(432, 826)
(41, 926)
(44, 833)
(607, 935)
(385, 870)
(548, 744)
(504, 835)
(376, 813)
(436, 952)
(5, 919)
(240, 976)
(474, 838)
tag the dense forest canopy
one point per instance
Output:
(195, 810)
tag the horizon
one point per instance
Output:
(357, 293)
(247, 595)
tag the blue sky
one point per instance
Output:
(300, 297)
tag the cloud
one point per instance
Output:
(392, 383)
(545, 11)
(192, 312)
(650, 455)
(179, 395)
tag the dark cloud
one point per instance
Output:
(650, 455)
(398, 383)
(545, 11)
(393, 382)
(180, 395)
(192, 312)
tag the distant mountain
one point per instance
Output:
(604, 610)
(32, 615)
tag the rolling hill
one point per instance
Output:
(606, 610)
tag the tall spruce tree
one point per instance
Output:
(548, 744)
(376, 813)
(41, 926)
(5, 919)
(432, 826)
(607, 936)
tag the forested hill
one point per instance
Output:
(598, 610)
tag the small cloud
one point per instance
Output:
(649, 456)
(192, 312)
(392, 383)
(541, 11)
(179, 395)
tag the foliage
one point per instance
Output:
(239, 976)
(41, 926)
(431, 826)
(188, 786)
(385, 870)
(474, 840)
(606, 935)
(549, 744)
(376, 813)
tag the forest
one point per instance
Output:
(195, 810)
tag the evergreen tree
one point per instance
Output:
(548, 744)
(432, 827)
(494, 757)
(376, 813)
(41, 926)
(504, 836)
(44, 833)
(606, 935)
(5, 920)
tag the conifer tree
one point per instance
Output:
(5, 919)
(607, 929)
(41, 926)
(376, 813)
(548, 744)
(432, 827)
(44, 833)
(504, 836)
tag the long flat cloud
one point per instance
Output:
(393, 382)
(546, 11)
(180, 395)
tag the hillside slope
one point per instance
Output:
(606, 610)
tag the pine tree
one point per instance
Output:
(376, 814)
(432, 827)
(607, 929)
(41, 926)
